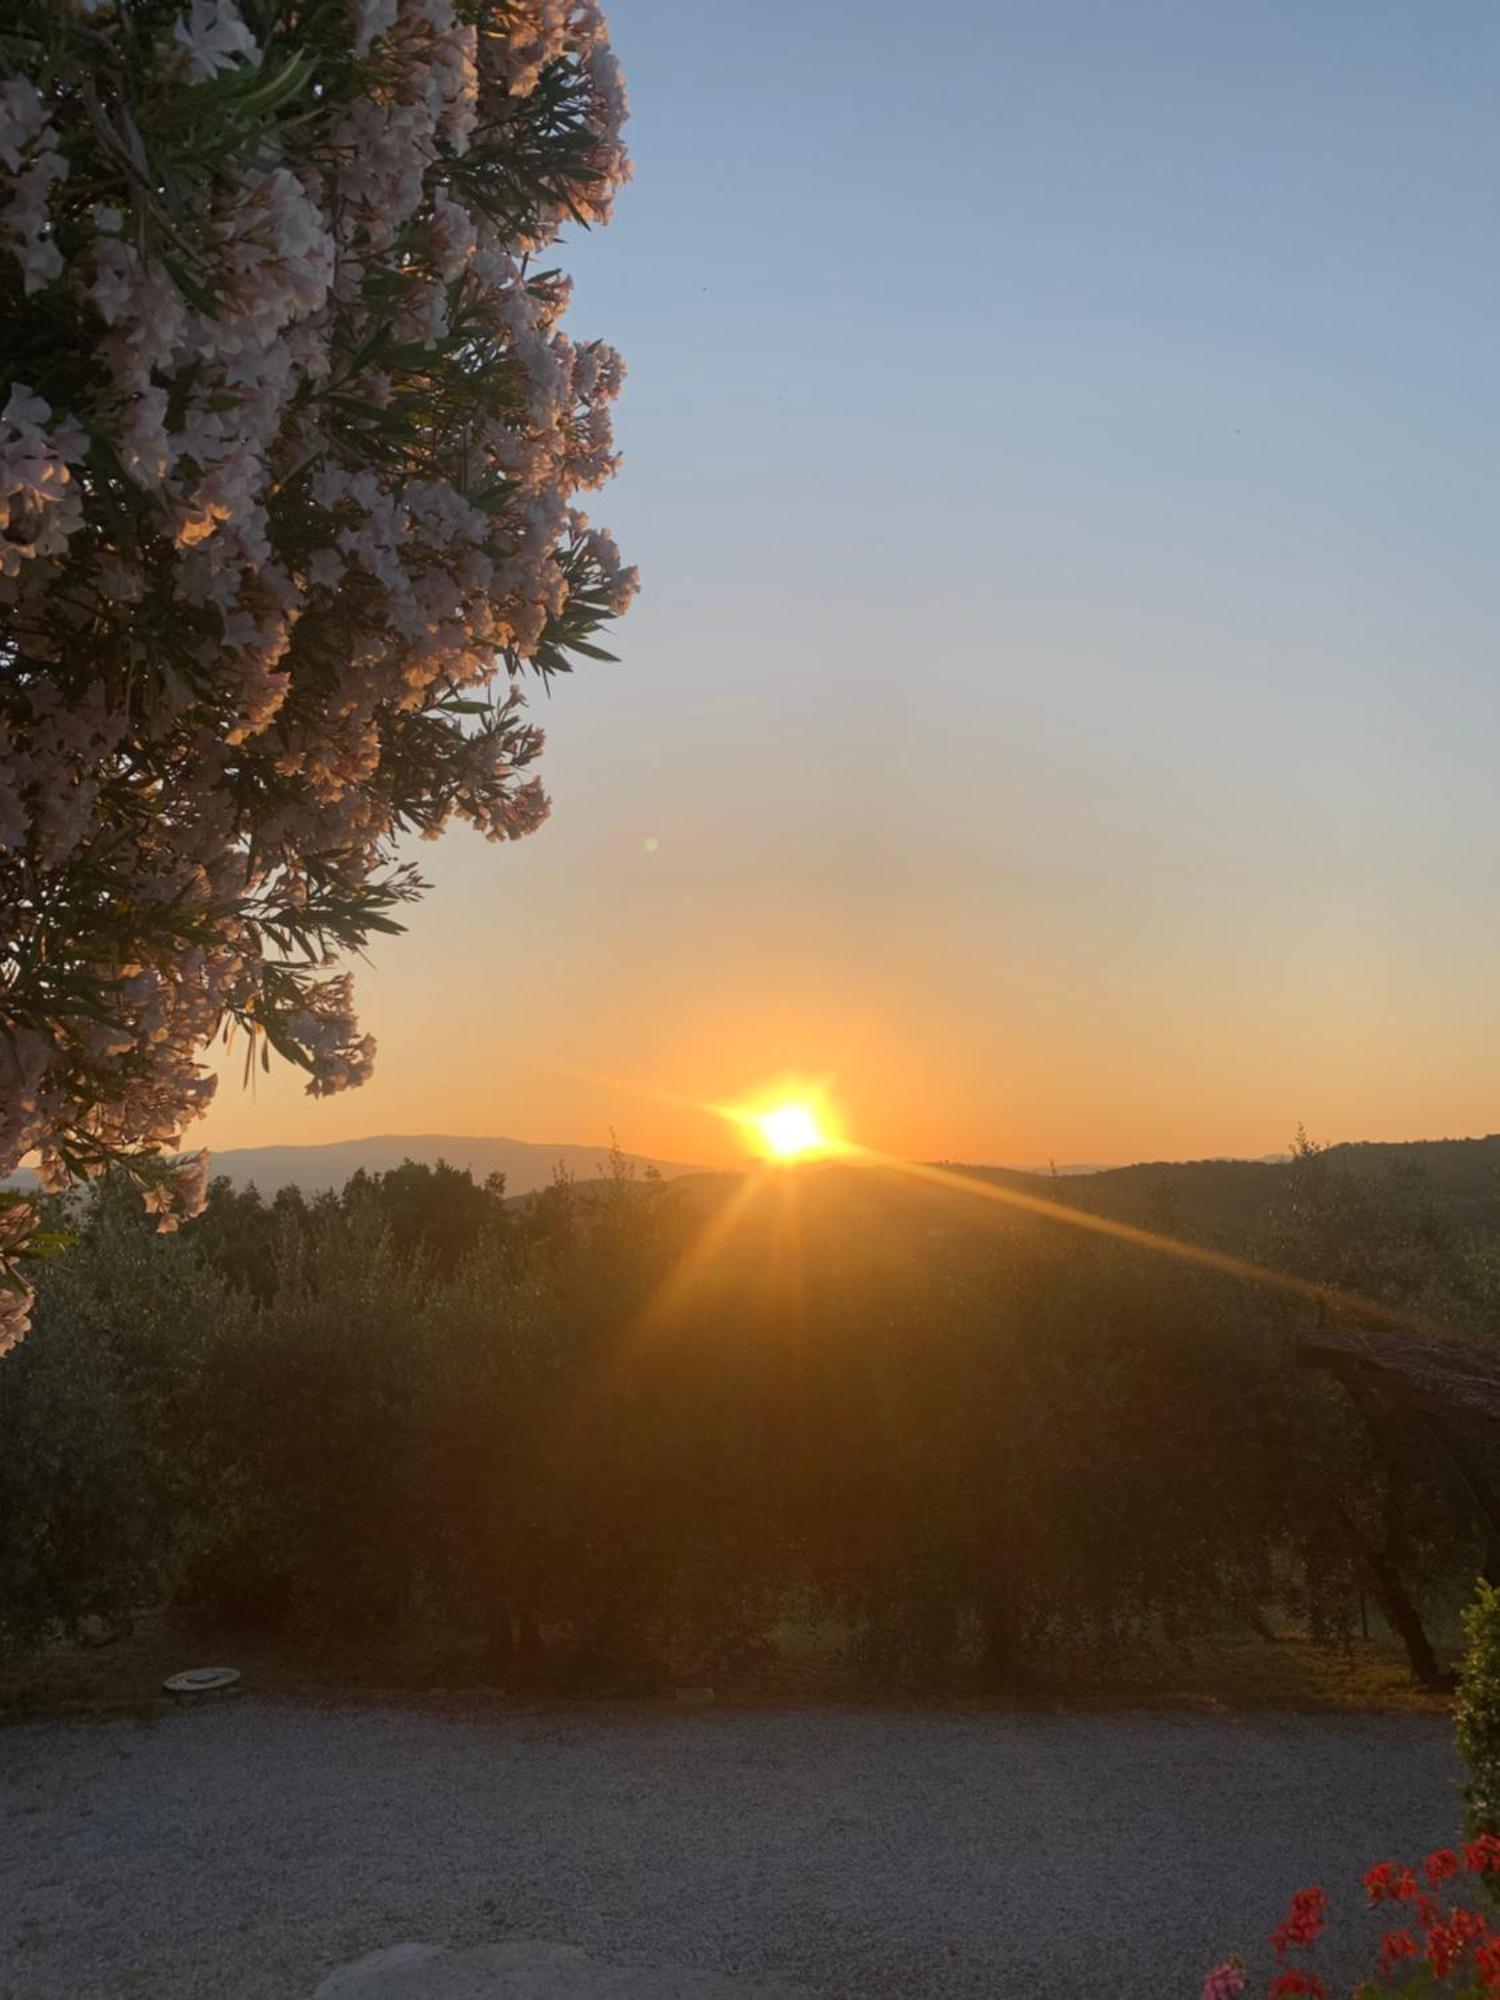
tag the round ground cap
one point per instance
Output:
(202, 1680)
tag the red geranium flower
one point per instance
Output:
(1302, 1923)
(1431, 1942)
(1447, 1942)
(1285, 1984)
(1395, 1946)
(1380, 1882)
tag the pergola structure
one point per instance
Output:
(1441, 1372)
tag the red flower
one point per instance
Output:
(1395, 1946)
(1388, 1882)
(1302, 1923)
(1431, 1940)
(1446, 1943)
(1379, 1882)
(1487, 1965)
(1443, 1951)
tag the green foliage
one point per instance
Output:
(102, 1453)
(1478, 1711)
(290, 436)
(639, 1422)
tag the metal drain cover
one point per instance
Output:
(202, 1680)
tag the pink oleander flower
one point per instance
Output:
(268, 590)
(212, 37)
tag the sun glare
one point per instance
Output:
(790, 1130)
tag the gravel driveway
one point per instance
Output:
(240, 1851)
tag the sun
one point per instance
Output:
(794, 1122)
(790, 1130)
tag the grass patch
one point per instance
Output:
(1220, 1673)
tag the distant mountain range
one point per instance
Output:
(1218, 1196)
(526, 1167)
(1220, 1200)
(1067, 1170)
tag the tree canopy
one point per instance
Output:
(290, 440)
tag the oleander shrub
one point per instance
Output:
(291, 444)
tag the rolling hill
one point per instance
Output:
(526, 1166)
(1223, 1201)
(1228, 1201)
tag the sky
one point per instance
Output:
(1061, 714)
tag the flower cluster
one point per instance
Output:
(1302, 1925)
(291, 438)
(33, 164)
(1434, 1944)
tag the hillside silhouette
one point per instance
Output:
(1222, 1201)
(1234, 1205)
(1230, 1202)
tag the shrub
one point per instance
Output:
(290, 437)
(1478, 1711)
(566, 1427)
(104, 1463)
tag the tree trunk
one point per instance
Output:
(1394, 1599)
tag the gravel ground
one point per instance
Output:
(240, 1851)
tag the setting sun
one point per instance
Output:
(790, 1130)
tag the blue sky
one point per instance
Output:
(1060, 449)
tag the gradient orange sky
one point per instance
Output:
(1062, 707)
